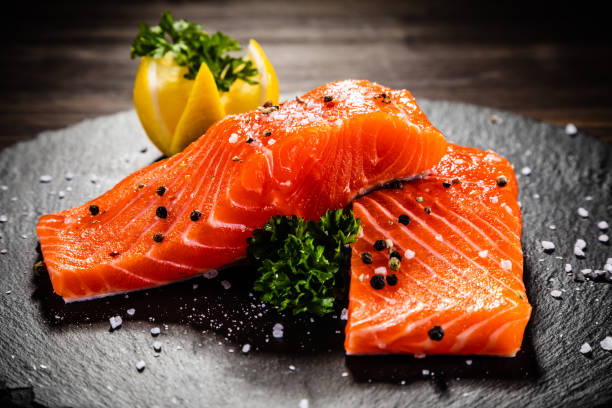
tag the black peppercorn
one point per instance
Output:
(404, 219)
(161, 212)
(395, 254)
(377, 281)
(392, 279)
(94, 209)
(380, 245)
(436, 333)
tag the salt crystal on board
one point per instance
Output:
(211, 274)
(606, 343)
(548, 246)
(115, 322)
(585, 348)
(140, 366)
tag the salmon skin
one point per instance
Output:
(194, 211)
(459, 284)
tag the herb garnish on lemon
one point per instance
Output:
(187, 80)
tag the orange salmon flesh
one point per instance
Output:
(312, 154)
(459, 284)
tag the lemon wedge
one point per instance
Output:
(243, 97)
(175, 111)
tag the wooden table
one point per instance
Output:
(65, 62)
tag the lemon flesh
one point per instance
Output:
(243, 97)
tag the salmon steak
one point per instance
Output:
(194, 211)
(438, 269)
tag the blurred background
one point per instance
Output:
(66, 61)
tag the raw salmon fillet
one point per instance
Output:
(311, 154)
(459, 285)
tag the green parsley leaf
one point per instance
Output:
(303, 266)
(191, 48)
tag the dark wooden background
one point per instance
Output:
(62, 62)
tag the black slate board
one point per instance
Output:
(64, 355)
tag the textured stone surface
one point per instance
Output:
(64, 355)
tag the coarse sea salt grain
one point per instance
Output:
(609, 261)
(552, 227)
(608, 267)
(131, 312)
(583, 212)
(468, 362)
(568, 267)
(606, 343)
(226, 284)
(409, 254)
(556, 293)
(115, 322)
(246, 348)
(45, 178)
(603, 225)
(140, 366)
(571, 129)
(277, 330)
(344, 314)
(425, 371)
(3, 218)
(580, 243)
(548, 246)
(585, 348)
(506, 264)
(494, 199)
(483, 254)
(579, 252)
(271, 142)
(155, 331)
(420, 355)
(303, 403)
(525, 171)
(233, 138)
(381, 270)
(68, 176)
(603, 238)
(211, 274)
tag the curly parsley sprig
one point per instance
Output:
(191, 48)
(303, 266)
